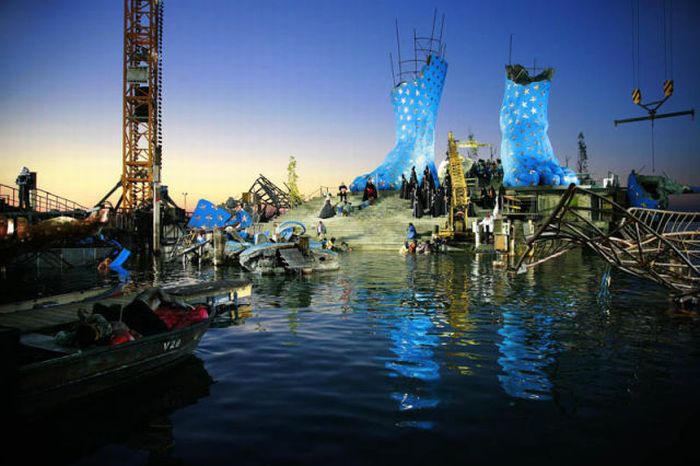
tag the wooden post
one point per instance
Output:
(219, 243)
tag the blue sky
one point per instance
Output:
(247, 84)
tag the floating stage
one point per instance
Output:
(378, 227)
(383, 225)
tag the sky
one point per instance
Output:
(247, 84)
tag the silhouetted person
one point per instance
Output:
(23, 180)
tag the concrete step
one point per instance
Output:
(381, 226)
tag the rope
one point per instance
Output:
(670, 40)
(653, 167)
(665, 46)
(635, 44)
(634, 63)
(638, 34)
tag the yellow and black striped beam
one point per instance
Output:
(636, 96)
(668, 87)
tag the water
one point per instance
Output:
(418, 360)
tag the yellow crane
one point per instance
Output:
(471, 143)
(459, 201)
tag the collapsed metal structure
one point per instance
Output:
(269, 193)
(657, 245)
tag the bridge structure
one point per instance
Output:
(656, 245)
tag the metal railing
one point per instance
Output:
(40, 200)
(320, 192)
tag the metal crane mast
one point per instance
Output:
(142, 136)
(459, 198)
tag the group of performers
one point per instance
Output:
(427, 198)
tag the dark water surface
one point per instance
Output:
(426, 360)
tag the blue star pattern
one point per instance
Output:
(526, 153)
(415, 105)
(206, 215)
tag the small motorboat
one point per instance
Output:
(156, 329)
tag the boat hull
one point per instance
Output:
(80, 373)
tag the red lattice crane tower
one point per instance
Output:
(142, 134)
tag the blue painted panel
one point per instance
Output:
(206, 215)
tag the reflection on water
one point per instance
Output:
(527, 350)
(334, 367)
(413, 342)
(137, 417)
(528, 345)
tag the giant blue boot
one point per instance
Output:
(526, 153)
(415, 110)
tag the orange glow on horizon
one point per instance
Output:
(77, 174)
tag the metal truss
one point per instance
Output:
(142, 136)
(661, 246)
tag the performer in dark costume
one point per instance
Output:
(370, 193)
(437, 202)
(343, 192)
(327, 211)
(417, 204)
(428, 181)
(404, 187)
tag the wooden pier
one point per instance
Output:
(30, 320)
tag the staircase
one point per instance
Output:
(295, 260)
(378, 227)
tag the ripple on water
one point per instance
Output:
(436, 358)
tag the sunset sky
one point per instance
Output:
(249, 83)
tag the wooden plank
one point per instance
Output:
(55, 300)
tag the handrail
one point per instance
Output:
(321, 191)
(42, 201)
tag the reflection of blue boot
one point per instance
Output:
(528, 159)
(415, 109)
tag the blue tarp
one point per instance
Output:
(206, 215)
